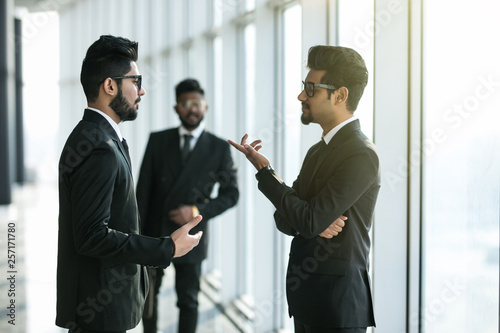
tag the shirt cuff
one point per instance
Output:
(265, 169)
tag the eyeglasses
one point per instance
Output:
(138, 77)
(189, 103)
(309, 87)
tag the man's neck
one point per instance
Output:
(107, 110)
(327, 127)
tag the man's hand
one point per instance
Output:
(251, 152)
(184, 242)
(181, 215)
(334, 228)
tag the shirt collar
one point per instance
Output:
(328, 137)
(111, 122)
(195, 133)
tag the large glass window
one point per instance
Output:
(292, 85)
(291, 126)
(461, 201)
(356, 29)
(247, 94)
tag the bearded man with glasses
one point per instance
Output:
(328, 284)
(180, 168)
(101, 278)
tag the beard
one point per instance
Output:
(191, 125)
(122, 108)
(306, 119)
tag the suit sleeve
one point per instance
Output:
(92, 187)
(280, 220)
(144, 184)
(352, 178)
(228, 192)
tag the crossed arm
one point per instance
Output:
(259, 161)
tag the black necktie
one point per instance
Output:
(125, 145)
(322, 146)
(186, 148)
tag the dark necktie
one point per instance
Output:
(186, 148)
(125, 145)
(322, 145)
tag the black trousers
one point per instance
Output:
(187, 287)
(302, 328)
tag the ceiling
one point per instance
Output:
(42, 5)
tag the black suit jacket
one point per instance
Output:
(165, 184)
(327, 279)
(101, 284)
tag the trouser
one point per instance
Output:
(187, 286)
(302, 328)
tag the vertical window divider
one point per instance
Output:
(415, 166)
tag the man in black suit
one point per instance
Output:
(328, 287)
(180, 168)
(101, 284)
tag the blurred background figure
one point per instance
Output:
(179, 171)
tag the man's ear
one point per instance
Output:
(109, 86)
(342, 95)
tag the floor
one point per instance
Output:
(28, 245)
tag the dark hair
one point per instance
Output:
(188, 85)
(344, 68)
(107, 57)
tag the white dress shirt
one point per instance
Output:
(195, 133)
(337, 128)
(111, 122)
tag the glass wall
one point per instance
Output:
(461, 169)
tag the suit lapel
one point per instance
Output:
(316, 161)
(172, 152)
(124, 153)
(311, 166)
(198, 154)
(106, 127)
(197, 157)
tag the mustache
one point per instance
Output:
(305, 105)
(138, 100)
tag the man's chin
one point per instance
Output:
(131, 116)
(189, 125)
(305, 120)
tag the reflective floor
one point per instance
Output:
(28, 245)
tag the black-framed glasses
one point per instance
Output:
(309, 87)
(137, 77)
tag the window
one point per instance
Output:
(461, 167)
(291, 78)
(356, 29)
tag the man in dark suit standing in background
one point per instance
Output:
(328, 287)
(101, 285)
(180, 168)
